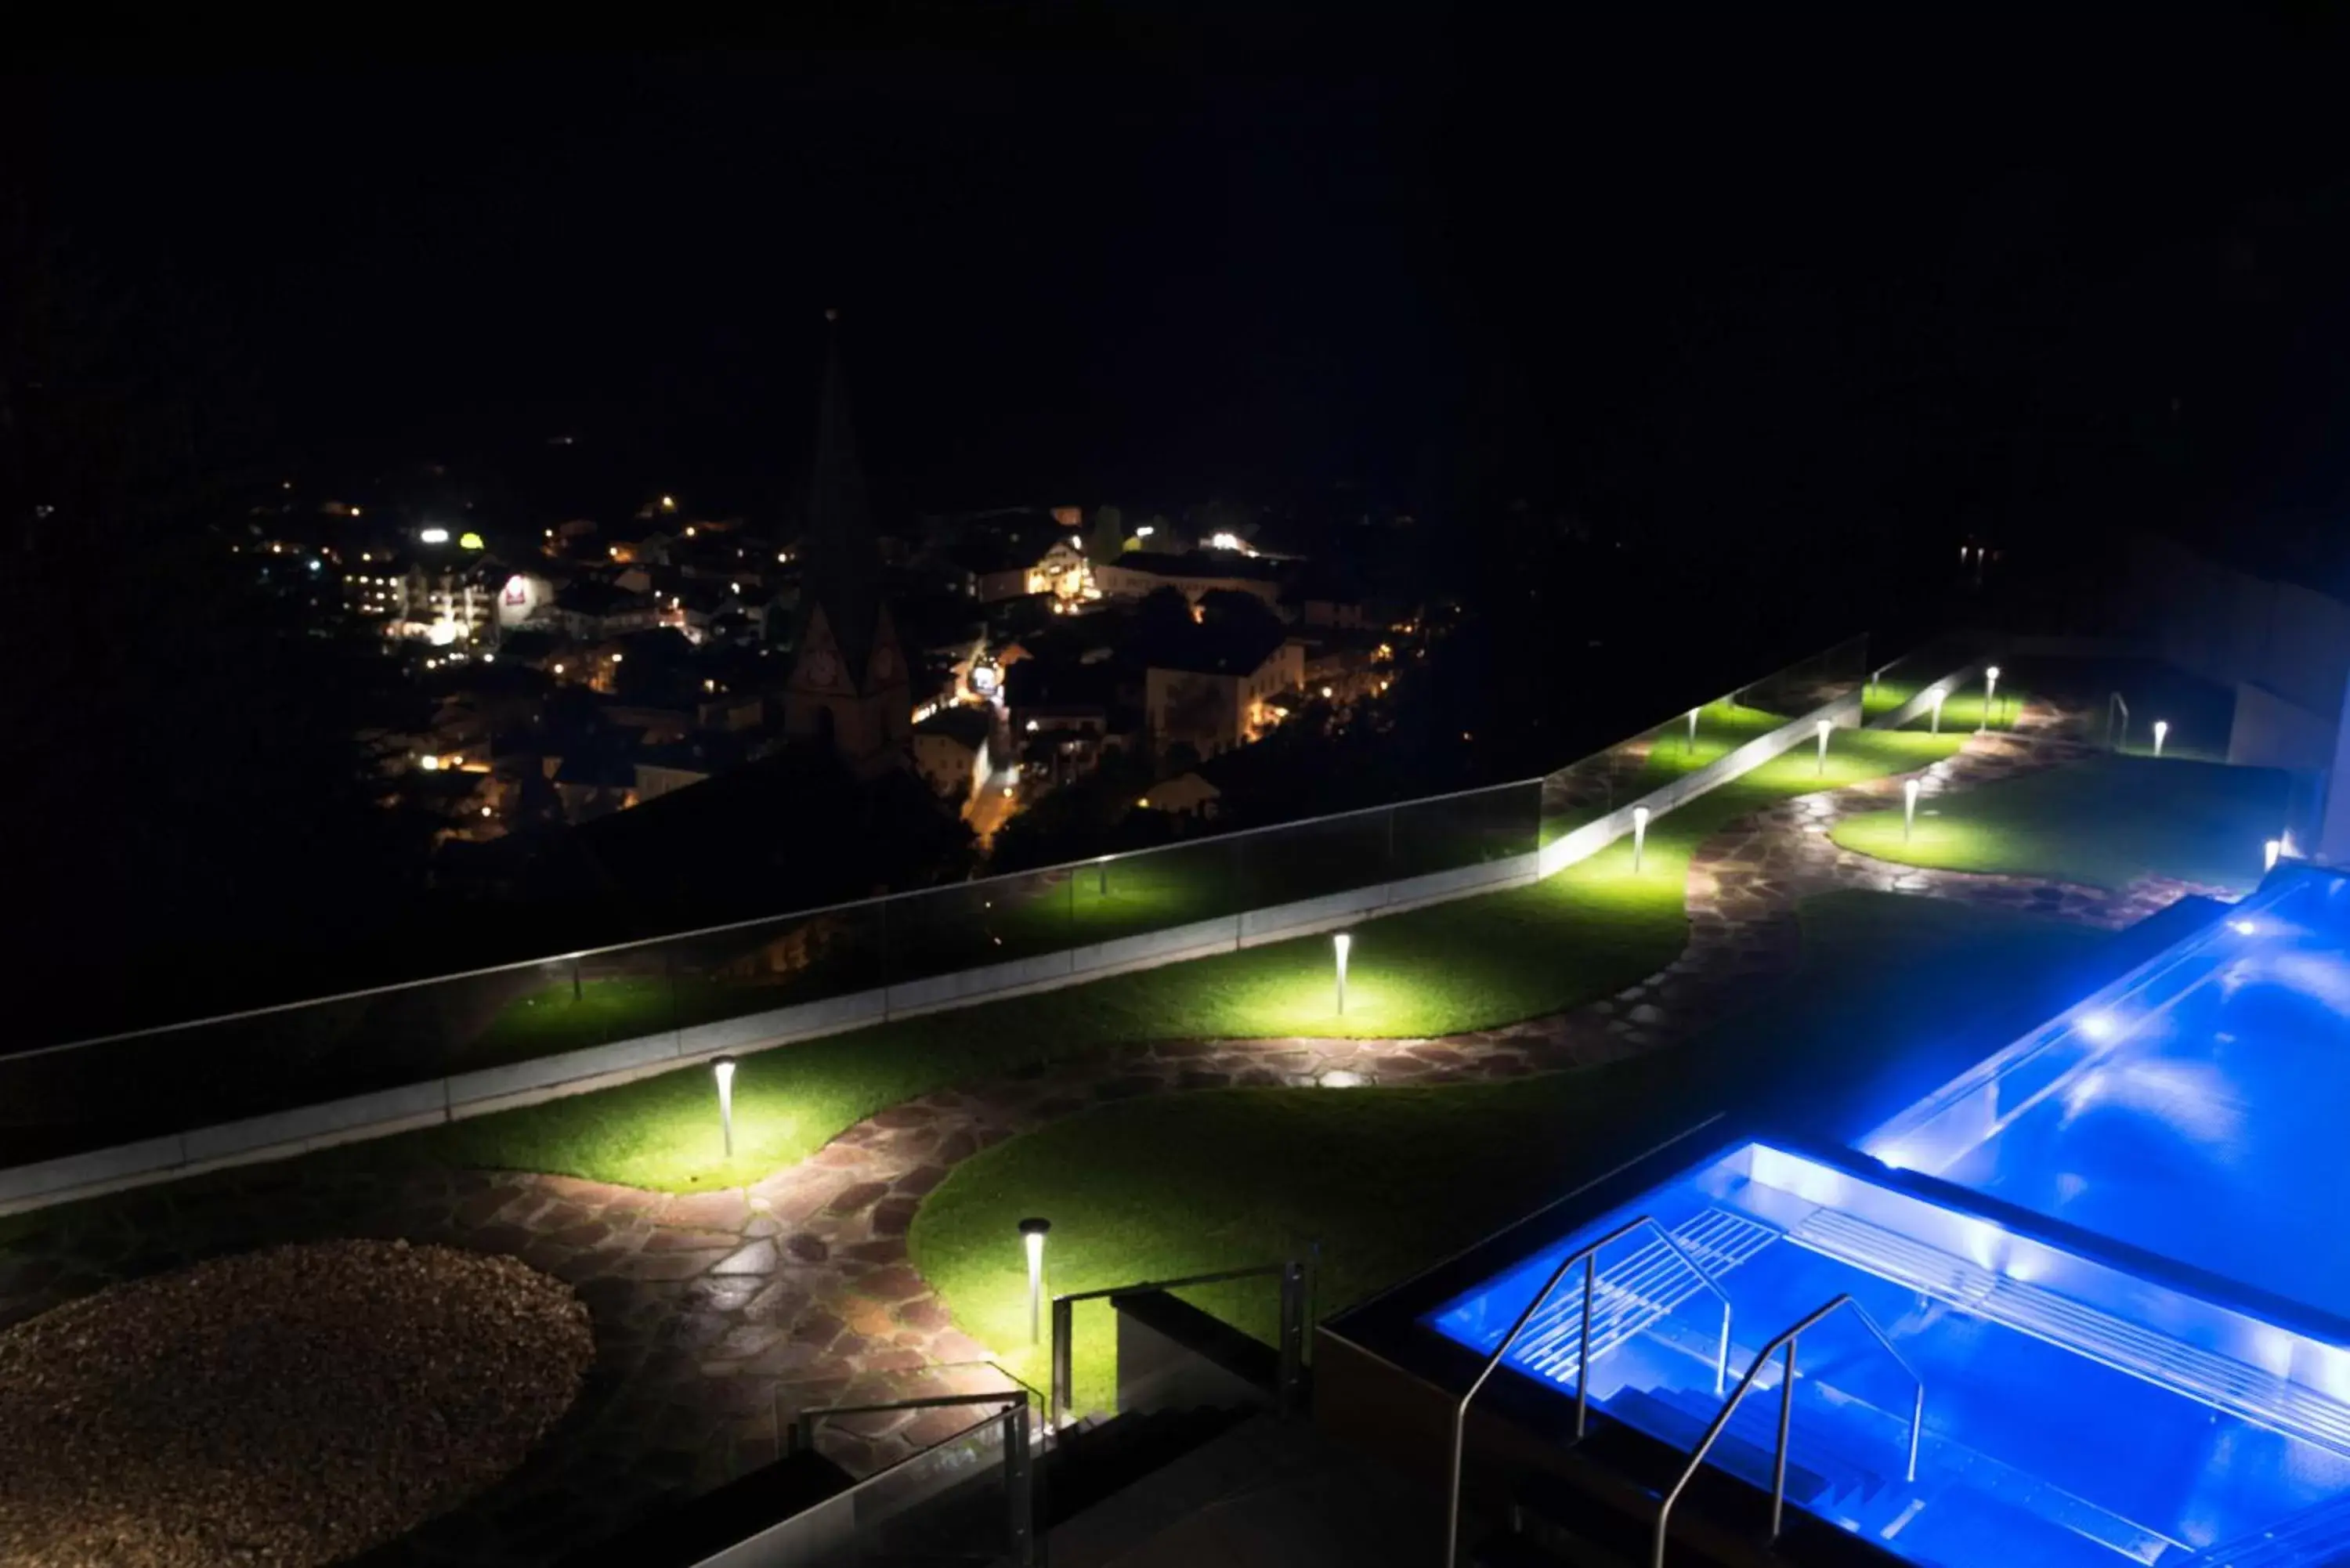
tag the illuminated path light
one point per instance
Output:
(1339, 945)
(1990, 686)
(1822, 728)
(1639, 835)
(1909, 808)
(1102, 890)
(1688, 749)
(723, 1069)
(2275, 848)
(2161, 729)
(1032, 1236)
(1938, 695)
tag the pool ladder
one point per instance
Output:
(1588, 1256)
(1785, 1341)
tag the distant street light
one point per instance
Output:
(1909, 808)
(1935, 695)
(2161, 729)
(723, 1069)
(1822, 728)
(1032, 1236)
(1339, 944)
(1639, 835)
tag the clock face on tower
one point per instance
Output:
(822, 666)
(885, 664)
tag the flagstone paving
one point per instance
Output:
(718, 1313)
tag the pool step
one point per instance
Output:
(2314, 1538)
(1632, 1293)
(2225, 1385)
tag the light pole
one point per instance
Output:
(1032, 1236)
(1639, 835)
(1822, 728)
(2161, 729)
(723, 1069)
(1990, 685)
(1937, 694)
(1689, 748)
(1909, 808)
(1338, 945)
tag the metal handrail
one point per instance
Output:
(1786, 1339)
(1293, 1274)
(1589, 1258)
(1019, 1466)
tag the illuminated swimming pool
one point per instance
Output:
(2110, 1253)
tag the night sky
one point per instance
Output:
(1946, 264)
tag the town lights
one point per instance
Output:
(723, 1069)
(1339, 944)
(433, 536)
(1909, 808)
(1031, 1237)
(1821, 729)
(2161, 729)
(1639, 835)
(1937, 695)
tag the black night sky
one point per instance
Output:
(1849, 267)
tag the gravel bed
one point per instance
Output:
(288, 1407)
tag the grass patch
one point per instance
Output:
(2101, 823)
(1391, 1180)
(1593, 929)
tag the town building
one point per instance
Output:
(951, 751)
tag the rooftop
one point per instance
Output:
(1576, 996)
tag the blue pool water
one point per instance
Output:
(2082, 1404)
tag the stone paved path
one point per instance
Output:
(713, 1311)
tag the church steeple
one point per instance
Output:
(849, 681)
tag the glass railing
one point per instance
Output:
(1895, 695)
(475, 1040)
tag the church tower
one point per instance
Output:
(849, 686)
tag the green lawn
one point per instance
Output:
(2101, 823)
(1391, 1180)
(1593, 929)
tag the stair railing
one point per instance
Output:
(1294, 1276)
(1786, 1340)
(1588, 1256)
(1019, 1467)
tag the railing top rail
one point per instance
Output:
(726, 927)
(1255, 1270)
(923, 1402)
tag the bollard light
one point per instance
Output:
(1822, 728)
(1639, 835)
(1338, 945)
(1689, 749)
(723, 1069)
(2161, 729)
(1935, 695)
(2275, 848)
(1031, 1237)
(1909, 808)
(1990, 685)
(1102, 889)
